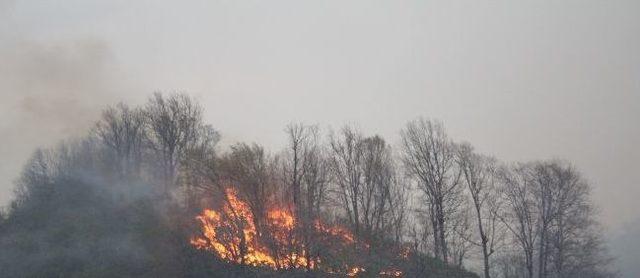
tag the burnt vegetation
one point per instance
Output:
(148, 193)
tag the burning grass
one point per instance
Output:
(233, 234)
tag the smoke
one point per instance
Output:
(82, 221)
(50, 91)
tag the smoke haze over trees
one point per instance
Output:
(521, 80)
(136, 196)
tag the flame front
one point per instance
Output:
(233, 236)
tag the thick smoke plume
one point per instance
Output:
(51, 91)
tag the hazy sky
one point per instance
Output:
(521, 80)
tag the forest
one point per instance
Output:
(150, 192)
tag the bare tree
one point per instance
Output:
(520, 217)
(199, 167)
(550, 215)
(429, 157)
(306, 177)
(316, 176)
(570, 243)
(380, 189)
(299, 144)
(248, 169)
(399, 208)
(459, 235)
(35, 181)
(545, 189)
(509, 265)
(122, 130)
(173, 122)
(479, 174)
(346, 163)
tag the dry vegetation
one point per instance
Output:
(148, 194)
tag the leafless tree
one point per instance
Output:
(248, 169)
(520, 216)
(35, 179)
(346, 164)
(429, 157)
(316, 177)
(373, 196)
(174, 122)
(299, 137)
(570, 243)
(466, 198)
(382, 192)
(550, 215)
(509, 265)
(306, 175)
(459, 234)
(545, 189)
(314, 192)
(122, 130)
(198, 169)
(479, 175)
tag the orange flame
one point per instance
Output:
(354, 271)
(232, 235)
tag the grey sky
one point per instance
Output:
(521, 80)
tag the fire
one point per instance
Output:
(391, 273)
(232, 235)
(335, 231)
(354, 271)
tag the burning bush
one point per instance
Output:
(231, 233)
(122, 202)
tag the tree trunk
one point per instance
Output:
(442, 235)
